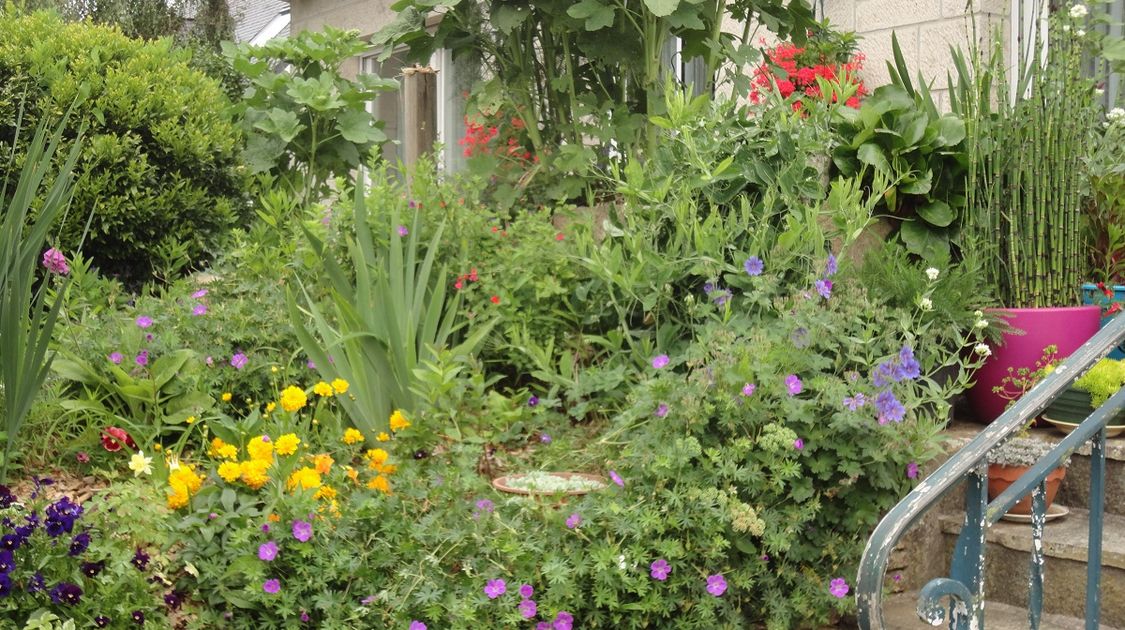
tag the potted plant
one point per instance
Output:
(1105, 219)
(1025, 187)
(539, 483)
(1009, 461)
(1088, 393)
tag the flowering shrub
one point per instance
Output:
(64, 557)
(802, 71)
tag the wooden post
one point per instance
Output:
(419, 112)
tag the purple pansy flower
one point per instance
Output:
(716, 584)
(660, 569)
(753, 266)
(271, 586)
(495, 588)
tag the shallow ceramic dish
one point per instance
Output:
(1054, 512)
(1067, 427)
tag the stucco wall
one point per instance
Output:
(365, 16)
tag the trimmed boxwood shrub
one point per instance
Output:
(160, 169)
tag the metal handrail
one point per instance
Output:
(965, 585)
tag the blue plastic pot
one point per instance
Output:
(1091, 294)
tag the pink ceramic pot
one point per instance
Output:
(1067, 327)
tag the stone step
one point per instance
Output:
(900, 614)
(1065, 544)
(1075, 489)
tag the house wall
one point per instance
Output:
(365, 16)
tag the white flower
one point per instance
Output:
(932, 273)
(983, 350)
(140, 464)
(1078, 11)
(981, 324)
(1080, 32)
(1099, 92)
(978, 314)
(1116, 115)
(621, 562)
(926, 303)
(1066, 28)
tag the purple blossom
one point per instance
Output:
(748, 389)
(142, 358)
(838, 587)
(305, 617)
(563, 621)
(55, 262)
(526, 591)
(793, 385)
(660, 569)
(271, 586)
(533, 401)
(544, 438)
(912, 470)
(889, 408)
(66, 593)
(144, 321)
(659, 361)
(754, 266)
(495, 588)
(528, 609)
(483, 506)
(267, 551)
(616, 478)
(367, 601)
(574, 520)
(266, 527)
(417, 625)
(402, 231)
(824, 288)
(200, 293)
(302, 530)
(116, 358)
(661, 410)
(907, 367)
(239, 361)
(883, 374)
(855, 402)
(799, 444)
(199, 309)
(716, 584)
(831, 266)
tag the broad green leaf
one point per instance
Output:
(359, 127)
(919, 185)
(662, 8)
(596, 14)
(873, 155)
(937, 213)
(951, 131)
(507, 16)
(282, 123)
(929, 243)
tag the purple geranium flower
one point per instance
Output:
(144, 321)
(574, 520)
(824, 288)
(799, 444)
(748, 389)
(116, 358)
(659, 361)
(838, 587)
(267, 551)
(239, 360)
(483, 506)
(563, 621)
(526, 591)
(200, 293)
(545, 438)
(271, 586)
(855, 402)
(495, 588)
(402, 231)
(831, 266)
(528, 608)
(660, 569)
(754, 266)
(912, 470)
(889, 408)
(142, 358)
(662, 410)
(616, 478)
(793, 384)
(417, 625)
(199, 309)
(302, 530)
(716, 584)
(534, 400)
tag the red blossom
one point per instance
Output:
(560, 236)
(113, 438)
(495, 299)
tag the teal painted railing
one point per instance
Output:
(964, 588)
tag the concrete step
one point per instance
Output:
(900, 614)
(1075, 490)
(1065, 544)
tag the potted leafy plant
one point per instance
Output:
(1027, 143)
(1088, 393)
(1009, 461)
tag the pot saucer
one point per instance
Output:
(1054, 512)
(1067, 427)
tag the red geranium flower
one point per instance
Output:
(495, 299)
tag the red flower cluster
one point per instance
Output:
(471, 277)
(801, 75)
(479, 138)
(1114, 307)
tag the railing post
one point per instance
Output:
(967, 566)
(1035, 578)
(1097, 515)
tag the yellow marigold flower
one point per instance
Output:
(287, 444)
(325, 492)
(323, 463)
(229, 451)
(322, 389)
(305, 478)
(216, 444)
(177, 499)
(389, 469)
(226, 396)
(260, 448)
(399, 421)
(352, 473)
(185, 475)
(340, 386)
(383, 437)
(254, 472)
(230, 471)
(376, 456)
(352, 436)
(380, 483)
(273, 518)
(270, 406)
(293, 398)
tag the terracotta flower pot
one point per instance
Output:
(1000, 477)
(1067, 328)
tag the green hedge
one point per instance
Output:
(161, 162)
